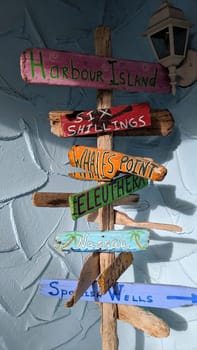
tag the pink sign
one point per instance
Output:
(103, 120)
(45, 66)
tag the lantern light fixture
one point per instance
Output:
(168, 34)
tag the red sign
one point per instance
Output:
(45, 66)
(102, 120)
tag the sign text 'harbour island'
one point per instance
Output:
(88, 201)
(132, 240)
(46, 66)
(138, 294)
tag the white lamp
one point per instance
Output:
(168, 34)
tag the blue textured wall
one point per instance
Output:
(33, 159)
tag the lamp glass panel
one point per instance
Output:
(161, 43)
(180, 35)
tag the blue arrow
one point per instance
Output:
(193, 298)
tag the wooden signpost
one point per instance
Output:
(46, 66)
(145, 295)
(110, 241)
(100, 121)
(88, 201)
(103, 165)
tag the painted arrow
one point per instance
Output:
(193, 298)
(138, 294)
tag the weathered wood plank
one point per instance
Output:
(58, 199)
(51, 199)
(138, 294)
(103, 165)
(103, 241)
(53, 67)
(123, 219)
(88, 201)
(112, 273)
(99, 121)
(143, 320)
(88, 274)
(162, 124)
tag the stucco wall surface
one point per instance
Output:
(33, 159)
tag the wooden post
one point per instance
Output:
(106, 214)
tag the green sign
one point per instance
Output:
(97, 197)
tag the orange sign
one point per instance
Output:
(103, 165)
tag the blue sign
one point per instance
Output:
(145, 295)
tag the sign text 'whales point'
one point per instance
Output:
(46, 66)
(103, 165)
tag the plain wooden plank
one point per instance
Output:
(102, 165)
(162, 124)
(123, 219)
(103, 241)
(51, 199)
(53, 67)
(143, 320)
